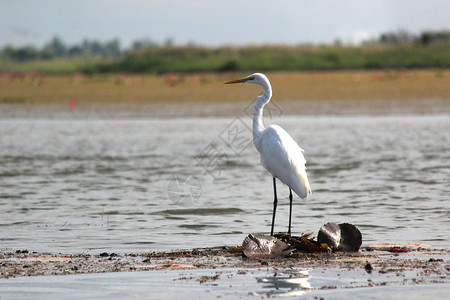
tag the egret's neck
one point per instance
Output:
(258, 113)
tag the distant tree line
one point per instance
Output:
(89, 49)
(404, 37)
(56, 48)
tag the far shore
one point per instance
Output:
(208, 87)
(204, 94)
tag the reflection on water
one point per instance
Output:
(76, 185)
(290, 282)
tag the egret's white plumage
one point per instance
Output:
(280, 154)
(283, 158)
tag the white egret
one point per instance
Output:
(280, 154)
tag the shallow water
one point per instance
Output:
(228, 284)
(144, 184)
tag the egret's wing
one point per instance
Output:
(284, 159)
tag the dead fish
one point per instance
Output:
(257, 245)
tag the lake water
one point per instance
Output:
(246, 284)
(76, 184)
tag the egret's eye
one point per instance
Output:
(251, 78)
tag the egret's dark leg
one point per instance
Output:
(290, 210)
(275, 202)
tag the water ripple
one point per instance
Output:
(86, 184)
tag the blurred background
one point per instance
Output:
(116, 128)
(135, 52)
(153, 37)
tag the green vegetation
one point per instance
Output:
(53, 66)
(271, 58)
(394, 50)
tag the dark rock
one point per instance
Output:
(264, 263)
(368, 268)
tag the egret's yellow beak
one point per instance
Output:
(237, 80)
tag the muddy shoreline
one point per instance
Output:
(431, 263)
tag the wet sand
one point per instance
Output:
(380, 265)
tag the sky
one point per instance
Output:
(214, 22)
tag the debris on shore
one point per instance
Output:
(332, 237)
(19, 263)
(257, 251)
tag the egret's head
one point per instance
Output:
(256, 78)
(261, 79)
